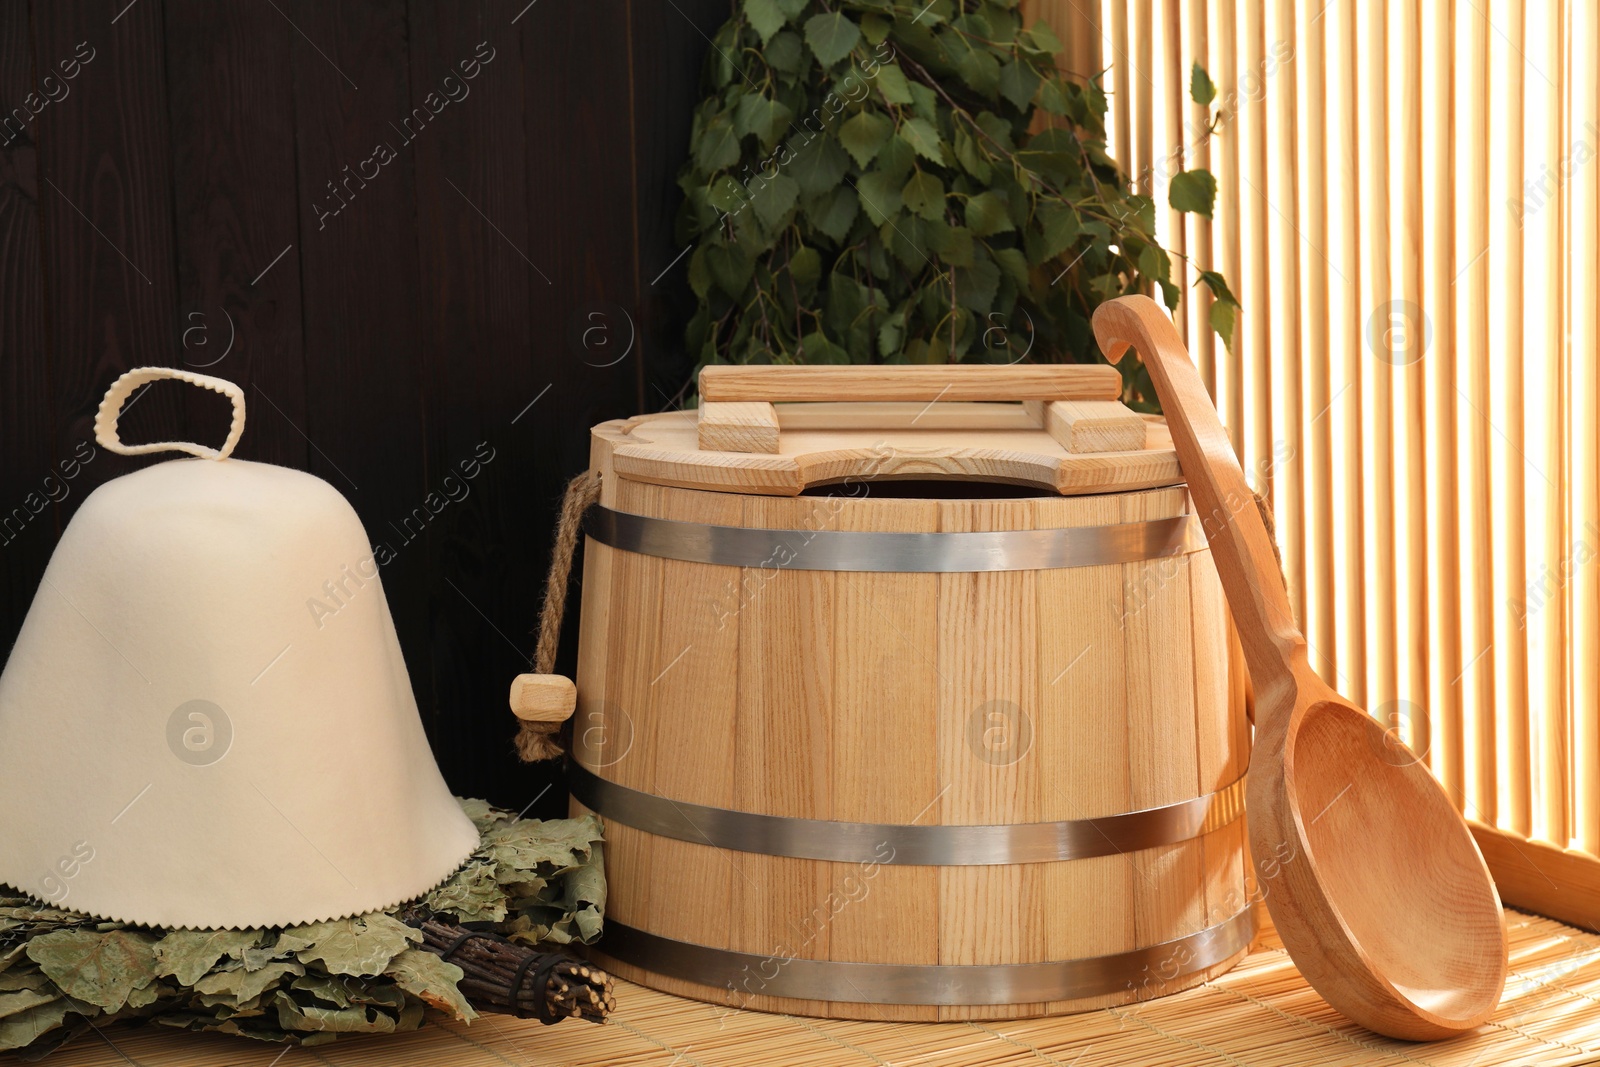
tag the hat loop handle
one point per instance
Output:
(105, 419)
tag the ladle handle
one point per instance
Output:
(1273, 644)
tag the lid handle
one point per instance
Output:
(1017, 381)
(736, 412)
(105, 419)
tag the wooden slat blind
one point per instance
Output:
(1409, 210)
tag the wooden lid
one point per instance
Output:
(828, 443)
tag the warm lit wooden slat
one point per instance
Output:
(1511, 569)
(1258, 335)
(1319, 604)
(1121, 90)
(1353, 566)
(1378, 336)
(1143, 31)
(1413, 375)
(1201, 338)
(1440, 306)
(1585, 237)
(1473, 281)
(1173, 155)
(1554, 752)
(1229, 200)
(1289, 494)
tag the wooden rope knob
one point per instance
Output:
(543, 697)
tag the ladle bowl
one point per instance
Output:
(1371, 875)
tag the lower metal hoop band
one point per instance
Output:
(746, 974)
(936, 846)
(852, 550)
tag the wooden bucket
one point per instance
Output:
(910, 711)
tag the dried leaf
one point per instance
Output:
(362, 945)
(21, 1001)
(242, 985)
(473, 895)
(188, 954)
(434, 980)
(100, 968)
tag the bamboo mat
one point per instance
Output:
(1260, 1014)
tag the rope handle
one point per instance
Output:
(536, 739)
(105, 419)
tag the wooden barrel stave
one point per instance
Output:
(831, 711)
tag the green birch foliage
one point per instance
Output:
(866, 184)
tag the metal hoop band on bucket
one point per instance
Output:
(1162, 965)
(851, 550)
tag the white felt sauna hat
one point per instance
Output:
(183, 742)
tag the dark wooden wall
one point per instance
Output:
(507, 277)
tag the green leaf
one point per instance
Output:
(1193, 190)
(892, 335)
(981, 70)
(1219, 287)
(816, 348)
(1201, 90)
(875, 28)
(1153, 263)
(1040, 38)
(730, 267)
(987, 215)
(805, 267)
(761, 116)
(924, 195)
(718, 147)
(792, 8)
(833, 212)
(765, 17)
(817, 165)
(1058, 231)
(863, 135)
(924, 102)
(923, 139)
(880, 196)
(363, 945)
(907, 240)
(99, 968)
(969, 156)
(976, 286)
(700, 273)
(774, 200)
(784, 53)
(831, 36)
(1053, 97)
(1018, 83)
(891, 82)
(1014, 264)
(952, 243)
(1222, 318)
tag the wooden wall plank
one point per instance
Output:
(238, 258)
(105, 202)
(28, 419)
(482, 373)
(667, 45)
(364, 417)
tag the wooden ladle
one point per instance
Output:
(1377, 888)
